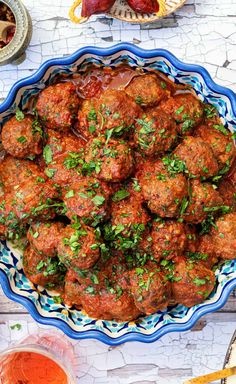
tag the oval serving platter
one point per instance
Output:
(122, 11)
(38, 301)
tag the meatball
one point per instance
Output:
(169, 238)
(16, 171)
(198, 157)
(109, 304)
(43, 237)
(11, 227)
(162, 191)
(114, 113)
(192, 282)
(88, 199)
(127, 208)
(22, 138)
(34, 199)
(221, 142)
(111, 160)
(63, 156)
(186, 109)
(57, 105)
(107, 295)
(227, 191)
(205, 252)
(78, 246)
(150, 289)
(147, 90)
(203, 199)
(42, 270)
(155, 132)
(224, 237)
(129, 218)
(72, 289)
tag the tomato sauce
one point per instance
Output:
(30, 368)
(96, 80)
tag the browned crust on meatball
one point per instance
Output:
(57, 106)
(198, 157)
(20, 139)
(113, 158)
(147, 90)
(193, 282)
(155, 132)
(162, 192)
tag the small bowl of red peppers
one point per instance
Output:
(6, 15)
(16, 38)
(134, 11)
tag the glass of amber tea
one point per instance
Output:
(45, 361)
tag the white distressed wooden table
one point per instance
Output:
(204, 32)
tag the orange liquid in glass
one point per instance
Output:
(30, 368)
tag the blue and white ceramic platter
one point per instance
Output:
(38, 301)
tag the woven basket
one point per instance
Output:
(122, 11)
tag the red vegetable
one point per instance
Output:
(144, 6)
(90, 7)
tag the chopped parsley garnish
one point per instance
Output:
(16, 326)
(69, 194)
(138, 100)
(221, 128)
(22, 139)
(120, 195)
(73, 160)
(47, 154)
(210, 111)
(179, 110)
(50, 172)
(174, 165)
(199, 282)
(19, 115)
(136, 185)
(183, 206)
(98, 200)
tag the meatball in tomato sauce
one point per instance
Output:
(63, 156)
(147, 90)
(203, 199)
(43, 270)
(163, 192)
(22, 137)
(155, 132)
(87, 199)
(78, 247)
(57, 106)
(169, 238)
(223, 236)
(198, 157)
(150, 289)
(112, 114)
(220, 141)
(192, 282)
(187, 111)
(44, 237)
(109, 160)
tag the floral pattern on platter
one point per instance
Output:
(39, 301)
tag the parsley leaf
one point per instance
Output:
(19, 115)
(47, 154)
(120, 195)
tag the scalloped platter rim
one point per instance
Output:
(38, 301)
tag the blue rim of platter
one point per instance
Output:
(37, 300)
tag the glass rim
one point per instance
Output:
(41, 350)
